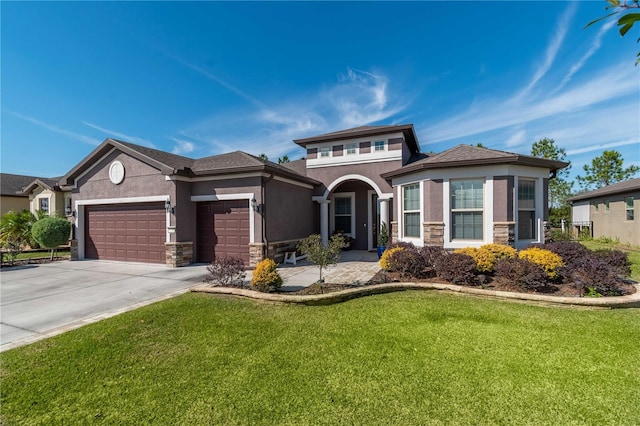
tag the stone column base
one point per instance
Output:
(179, 254)
(433, 233)
(504, 233)
(393, 232)
(73, 246)
(256, 253)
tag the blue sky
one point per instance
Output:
(205, 78)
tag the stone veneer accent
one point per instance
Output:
(73, 247)
(393, 232)
(504, 233)
(256, 253)
(433, 233)
(179, 254)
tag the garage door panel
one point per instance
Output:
(223, 230)
(128, 232)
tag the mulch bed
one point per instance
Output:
(559, 289)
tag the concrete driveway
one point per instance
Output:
(40, 301)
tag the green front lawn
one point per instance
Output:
(40, 254)
(401, 358)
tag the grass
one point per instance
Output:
(399, 358)
(633, 253)
(42, 254)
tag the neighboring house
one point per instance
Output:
(46, 196)
(141, 204)
(11, 192)
(612, 211)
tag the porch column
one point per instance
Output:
(384, 212)
(324, 220)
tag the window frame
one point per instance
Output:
(383, 147)
(534, 228)
(629, 208)
(40, 200)
(412, 212)
(351, 146)
(324, 152)
(461, 211)
(344, 195)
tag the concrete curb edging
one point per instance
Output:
(629, 301)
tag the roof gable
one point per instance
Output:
(12, 185)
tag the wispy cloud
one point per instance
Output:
(602, 146)
(182, 146)
(595, 45)
(56, 129)
(125, 137)
(552, 49)
(516, 139)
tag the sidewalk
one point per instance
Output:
(354, 266)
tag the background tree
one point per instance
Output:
(605, 170)
(559, 186)
(628, 18)
(51, 232)
(263, 157)
(283, 159)
(15, 232)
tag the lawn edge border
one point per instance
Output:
(628, 301)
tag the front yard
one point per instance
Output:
(401, 358)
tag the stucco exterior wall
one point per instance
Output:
(432, 200)
(613, 223)
(328, 175)
(56, 201)
(13, 203)
(503, 198)
(289, 211)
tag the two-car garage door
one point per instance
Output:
(136, 232)
(129, 232)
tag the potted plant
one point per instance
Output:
(383, 239)
(347, 239)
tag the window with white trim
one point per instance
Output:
(342, 214)
(411, 210)
(350, 149)
(325, 151)
(44, 205)
(67, 206)
(526, 209)
(467, 209)
(629, 207)
(379, 146)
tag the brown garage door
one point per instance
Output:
(223, 230)
(130, 232)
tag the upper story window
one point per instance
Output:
(629, 207)
(379, 146)
(350, 148)
(411, 210)
(467, 209)
(324, 151)
(526, 209)
(44, 205)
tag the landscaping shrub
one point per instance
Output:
(320, 254)
(487, 255)
(456, 267)
(547, 259)
(226, 272)
(403, 245)
(386, 261)
(571, 252)
(265, 277)
(15, 232)
(522, 272)
(596, 276)
(408, 262)
(616, 259)
(431, 254)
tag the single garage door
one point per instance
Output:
(129, 232)
(223, 230)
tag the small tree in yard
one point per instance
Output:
(320, 254)
(51, 232)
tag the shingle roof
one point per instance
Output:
(467, 155)
(48, 183)
(12, 185)
(616, 188)
(364, 131)
(298, 166)
(172, 160)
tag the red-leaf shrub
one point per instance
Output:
(226, 272)
(616, 259)
(457, 268)
(522, 272)
(409, 262)
(570, 251)
(596, 274)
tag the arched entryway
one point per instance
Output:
(355, 206)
